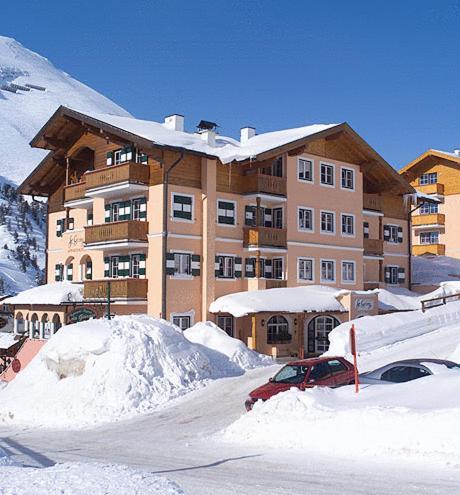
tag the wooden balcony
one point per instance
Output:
(264, 236)
(264, 184)
(372, 202)
(420, 249)
(129, 230)
(132, 173)
(120, 288)
(373, 247)
(431, 219)
(74, 192)
(431, 189)
(275, 284)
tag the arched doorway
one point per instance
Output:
(86, 268)
(278, 330)
(45, 327)
(316, 337)
(56, 322)
(19, 324)
(34, 326)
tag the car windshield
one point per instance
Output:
(291, 373)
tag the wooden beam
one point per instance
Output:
(297, 151)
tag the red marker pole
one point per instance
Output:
(353, 351)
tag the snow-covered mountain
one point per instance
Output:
(23, 111)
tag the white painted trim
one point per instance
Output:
(354, 179)
(400, 255)
(325, 246)
(325, 281)
(428, 226)
(348, 282)
(228, 239)
(372, 213)
(325, 232)
(312, 161)
(121, 186)
(350, 236)
(124, 243)
(369, 257)
(266, 250)
(176, 236)
(331, 186)
(269, 198)
(301, 280)
(309, 231)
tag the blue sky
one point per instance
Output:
(391, 69)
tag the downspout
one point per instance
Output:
(165, 233)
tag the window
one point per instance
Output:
(114, 266)
(69, 272)
(327, 270)
(277, 268)
(138, 266)
(394, 275)
(123, 155)
(182, 207)
(348, 179)
(277, 218)
(60, 227)
(393, 234)
(305, 219)
(336, 366)
(226, 324)
(182, 321)
(142, 158)
(318, 333)
(430, 178)
(348, 225)
(401, 374)
(226, 267)
(319, 371)
(115, 212)
(226, 212)
(429, 237)
(305, 170)
(305, 269)
(88, 270)
(89, 218)
(348, 271)
(327, 222)
(182, 264)
(291, 373)
(327, 174)
(366, 230)
(70, 224)
(277, 167)
(139, 209)
(59, 272)
(278, 330)
(428, 208)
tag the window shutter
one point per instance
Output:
(58, 273)
(401, 275)
(127, 210)
(170, 266)
(124, 262)
(143, 158)
(142, 208)
(268, 217)
(223, 207)
(386, 233)
(387, 275)
(250, 267)
(400, 235)
(108, 213)
(238, 267)
(216, 266)
(366, 230)
(142, 265)
(70, 272)
(59, 228)
(249, 215)
(268, 269)
(196, 265)
(89, 270)
(106, 267)
(129, 150)
(109, 159)
(70, 224)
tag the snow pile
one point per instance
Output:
(432, 270)
(373, 332)
(215, 340)
(293, 299)
(398, 299)
(414, 420)
(102, 371)
(55, 293)
(6, 460)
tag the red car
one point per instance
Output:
(307, 373)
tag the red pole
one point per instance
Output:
(355, 360)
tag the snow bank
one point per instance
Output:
(373, 332)
(102, 371)
(56, 293)
(398, 299)
(214, 339)
(415, 420)
(293, 299)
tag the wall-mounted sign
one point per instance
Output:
(81, 314)
(75, 243)
(364, 305)
(16, 365)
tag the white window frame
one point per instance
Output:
(183, 220)
(432, 234)
(396, 267)
(226, 318)
(227, 256)
(327, 232)
(348, 169)
(429, 206)
(178, 274)
(392, 226)
(188, 314)
(235, 214)
(321, 164)
(353, 263)
(112, 258)
(312, 163)
(312, 211)
(346, 234)
(325, 280)
(425, 179)
(276, 258)
(312, 262)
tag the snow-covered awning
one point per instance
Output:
(6, 341)
(311, 299)
(55, 294)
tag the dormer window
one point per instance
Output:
(430, 178)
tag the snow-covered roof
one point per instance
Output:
(7, 340)
(56, 293)
(314, 298)
(226, 148)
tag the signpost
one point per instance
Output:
(353, 351)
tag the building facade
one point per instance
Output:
(162, 221)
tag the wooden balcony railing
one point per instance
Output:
(373, 247)
(74, 191)
(267, 184)
(131, 172)
(372, 202)
(275, 284)
(120, 288)
(264, 236)
(431, 219)
(419, 249)
(431, 188)
(131, 230)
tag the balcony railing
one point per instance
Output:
(431, 188)
(372, 202)
(130, 230)
(430, 219)
(120, 288)
(373, 247)
(265, 184)
(135, 173)
(419, 249)
(264, 236)
(74, 191)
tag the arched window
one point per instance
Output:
(19, 324)
(35, 326)
(278, 330)
(46, 326)
(318, 333)
(86, 268)
(68, 269)
(56, 322)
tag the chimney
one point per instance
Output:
(457, 152)
(209, 137)
(174, 122)
(247, 133)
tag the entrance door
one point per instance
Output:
(317, 334)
